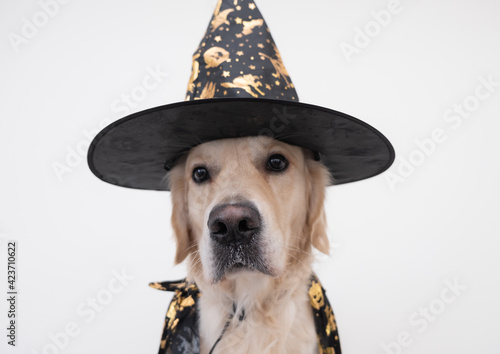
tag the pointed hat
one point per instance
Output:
(238, 87)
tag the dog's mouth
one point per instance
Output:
(238, 259)
(234, 258)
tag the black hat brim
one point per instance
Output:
(137, 151)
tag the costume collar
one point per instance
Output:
(181, 335)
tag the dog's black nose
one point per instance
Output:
(233, 223)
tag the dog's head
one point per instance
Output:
(250, 203)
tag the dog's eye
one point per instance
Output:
(277, 163)
(200, 174)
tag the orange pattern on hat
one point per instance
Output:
(240, 58)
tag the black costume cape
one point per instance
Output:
(180, 332)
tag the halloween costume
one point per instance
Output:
(180, 331)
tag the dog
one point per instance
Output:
(247, 211)
(246, 214)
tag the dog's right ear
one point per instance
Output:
(179, 219)
(319, 179)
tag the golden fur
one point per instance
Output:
(278, 313)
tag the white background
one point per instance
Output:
(395, 245)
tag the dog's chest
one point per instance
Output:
(287, 328)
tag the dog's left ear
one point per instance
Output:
(179, 219)
(319, 179)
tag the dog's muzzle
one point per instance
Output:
(235, 233)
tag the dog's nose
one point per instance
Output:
(233, 223)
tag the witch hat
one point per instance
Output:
(238, 87)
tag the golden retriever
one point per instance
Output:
(246, 214)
